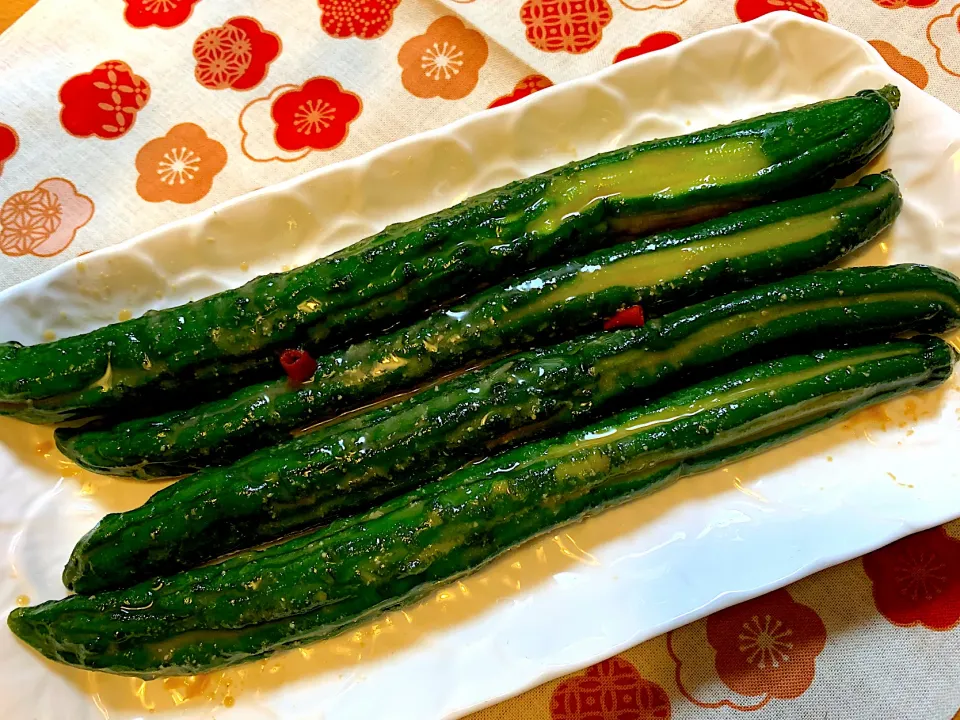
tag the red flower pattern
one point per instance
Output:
(573, 26)
(529, 85)
(767, 646)
(9, 143)
(897, 4)
(104, 102)
(916, 581)
(235, 55)
(366, 19)
(752, 9)
(610, 690)
(656, 41)
(315, 115)
(162, 13)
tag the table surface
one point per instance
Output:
(850, 628)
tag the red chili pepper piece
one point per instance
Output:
(298, 365)
(628, 317)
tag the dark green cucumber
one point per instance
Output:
(661, 272)
(354, 465)
(317, 585)
(215, 345)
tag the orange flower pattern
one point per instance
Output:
(610, 690)
(529, 85)
(366, 19)
(103, 102)
(767, 646)
(315, 115)
(180, 166)
(572, 26)
(444, 62)
(911, 68)
(9, 144)
(43, 221)
(235, 55)
(655, 41)
(916, 581)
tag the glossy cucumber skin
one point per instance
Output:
(317, 585)
(501, 319)
(349, 467)
(210, 347)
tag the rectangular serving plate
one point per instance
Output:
(564, 601)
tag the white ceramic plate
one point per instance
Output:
(561, 602)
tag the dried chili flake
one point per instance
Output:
(628, 317)
(298, 365)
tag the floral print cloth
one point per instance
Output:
(119, 115)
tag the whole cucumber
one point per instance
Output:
(356, 464)
(318, 585)
(212, 346)
(661, 272)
